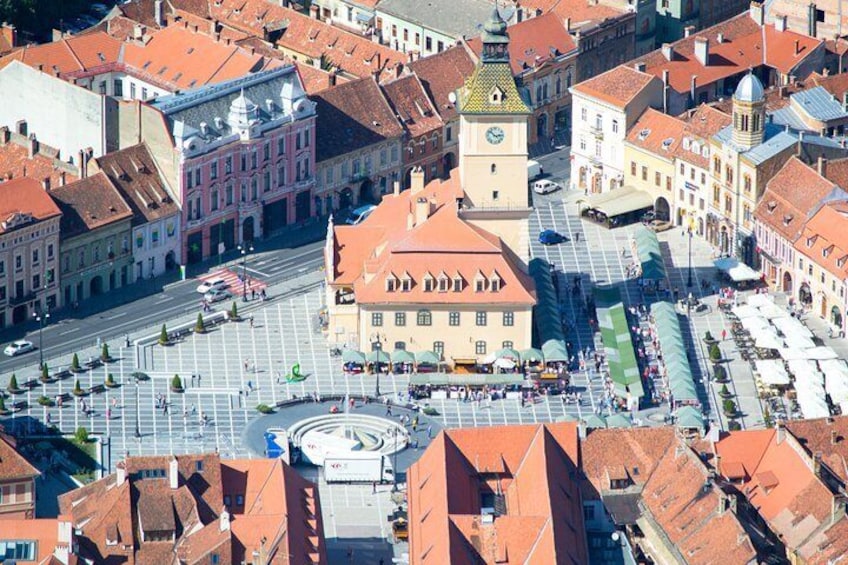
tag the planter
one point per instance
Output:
(111, 385)
(79, 392)
(177, 390)
(15, 390)
(264, 409)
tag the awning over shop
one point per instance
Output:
(690, 418)
(351, 356)
(736, 270)
(594, 421)
(378, 356)
(532, 355)
(772, 372)
(458, 379)
(402, 356)
(508, 353)
(546, 316)
(620, 201)
(649, 255)
(619, 421)
(678, 372)
(427, 357)
(615, 333)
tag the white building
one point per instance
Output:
(352, 15)
(603, 110)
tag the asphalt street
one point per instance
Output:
(71, 331)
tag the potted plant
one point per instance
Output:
(234, 312)
(75, 364)
(729, 407)
(104, 353)
(708, 338)
(110, 381)
(199, 326)
(720, 374)
(264, 409)
(45, 400)
(3, 410)
(13, 385)
(81, 435)
(163, 336)
(715, 353)
(77, 391)
(176, 384)
(724, 392)
(45, 374)
(734, 426)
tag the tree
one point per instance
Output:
(199, 326)
(104, 353)
(234, 311)
(708, 337)
(720, 374)
(264, 409)
(13, 383)
(77, 388)
(163, 336)
(176, 383)
(724, 391)
(729, 407)
(81, 435)
(715, 353)
(110, 380)
(75, 366)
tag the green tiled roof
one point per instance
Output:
(474, 96)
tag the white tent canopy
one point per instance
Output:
(767, 339)
(835, 379)
(760, 300)
(799, 342)
(791, 326)
(792, 353)
(737, 271)
(772, 372)
(746, 311)
(754, 325)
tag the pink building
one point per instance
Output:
(243, 155)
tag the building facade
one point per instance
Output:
(96, 228)
(242, 159)
(415, 27)
(353, 15)
(29, 251)
(17, 484)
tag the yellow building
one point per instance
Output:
(441, 268)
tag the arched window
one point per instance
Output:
(558, 87)
(425, 318)
(568, 77)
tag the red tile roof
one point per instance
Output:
(740, 49)
(88, 204)
(704, 122)
(534, 42)
(657, 133)
(637, 451)
(585, 12)
(25, 196)
(442, 74)
(784, 208)
(15, 162)
(12, 464)
(827, 436)
(837, 172)
(617, 86)
(824, 239)
(79, 55)
(388, 246)
(412, 106)
(532, 466)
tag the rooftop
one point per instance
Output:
(88, 204)
(412, 106)
(23, 199)
(617, 86)
(443, 74)
(12, 464)
(458, 18)
(657, 133)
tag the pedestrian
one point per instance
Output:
(246, 364)
(48, 418)
(193, 409)
(108, 413)
(723, 335)
(251, 320)
(374, 487)
(164, 409)
(577, 237)
(250, 385)
(388, 409)
(253, 293)
(262, 294)
(430, 431)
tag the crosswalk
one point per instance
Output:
(235, 283)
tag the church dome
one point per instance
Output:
(496, 25)
(750, 89)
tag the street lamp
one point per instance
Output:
(41, 318)
(244, 249)
(689, 278)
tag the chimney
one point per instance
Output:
(331, 78)
(45, 183)
(688, 30)
(666, 90)
(417, 180)
(173, 473)
(756, 12)
(780, 431)
(817, 457)
(62, 178)
(32, 146)
(157, 13)
(567, 24)
(822, 166)
(702, 50)
(811, 19)
(224, 521)
(780, 23)
(797, 46)
(4, 135)
(693, 86)
(396, 188)
(833, 437)
(410, 221)
(640, 66)
(422, 210)
(120, 473)
(668, 51)
(720, 38)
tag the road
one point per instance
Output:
(70, 334)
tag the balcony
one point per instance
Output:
(21, 298)
(597, 131)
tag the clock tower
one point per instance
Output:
(493, 143)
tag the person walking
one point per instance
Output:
(723, 335)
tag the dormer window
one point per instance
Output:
(406, 283)
(827, 250)
(428, 283)
(496, 96)
(772, 205)
(494, 282)
(391, 283)
(841, 261)
(479, 283)
(443, 282)
(457, 283)
(811, 241)
(787, 219)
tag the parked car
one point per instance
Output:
(217, 295)
(18, 347)
(545, 187)
(358, 215)
(212, 284)
(534, 169)
(551, 237)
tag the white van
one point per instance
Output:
(358, 215)
(545, 186)
(534, 170)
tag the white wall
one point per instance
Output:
(62, 115)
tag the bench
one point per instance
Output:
(32, 383)
(19, 405)
(97, 389)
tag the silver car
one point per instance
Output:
(18, 347)
(216, 295)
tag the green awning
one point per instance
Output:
(554, 350)
(508, 353)
(352, 356)
(620, 201)
(378, 356)
(649, 254)
(670, 338)
(619, 421)
(402, 356)
(594, 421)
(689, 417)
(427, 357)
(615, 333)
(532, 355)
(546, 314)
(470, 379)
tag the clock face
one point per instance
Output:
(494, 135)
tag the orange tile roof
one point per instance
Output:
(782, 200)
(178, 58)
(617, 86)
(26, 196)
(837, 172)
(824, 239)
(657, 133)
(443, 243)
(411, 104)
(88, 204)
(637, 450)
(533, 42)
(741, 48)
(74, 56)
(701, 124)
(13, 465)
(15, 162)
(534, 465)
(584, 12)
(442, 74)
